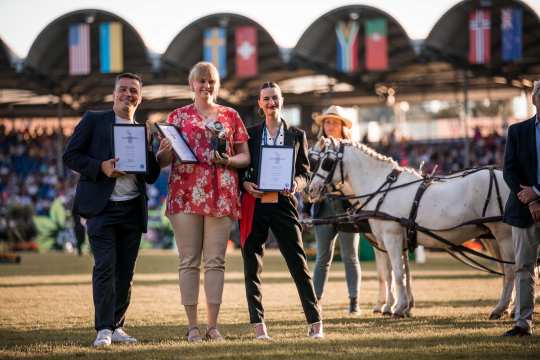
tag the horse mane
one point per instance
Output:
(379, 157)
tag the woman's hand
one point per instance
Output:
(164, 154)
(253, 189)
(220, 159)
(289, 192)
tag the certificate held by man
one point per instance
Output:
(276, 168)
(130, 144)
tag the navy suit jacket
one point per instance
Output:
(90, 144)
(520, 168)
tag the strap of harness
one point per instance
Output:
(412, 235)
(390, 179)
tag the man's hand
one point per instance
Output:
(252, 189)
(534, 208)
(108, 168)
(527, 194)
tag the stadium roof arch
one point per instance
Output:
(47, 62)
(317, 50)
(8, 59)
(449, 41)
(186, 49)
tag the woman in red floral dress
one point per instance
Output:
(203, 199)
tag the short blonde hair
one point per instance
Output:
(204, 69)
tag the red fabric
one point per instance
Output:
(479, 36)
(204, 188)
(246, 51)
(246, 222)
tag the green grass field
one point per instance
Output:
(46, 313)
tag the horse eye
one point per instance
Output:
(327, 164)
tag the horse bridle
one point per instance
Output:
(328, 162)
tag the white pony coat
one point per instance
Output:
(444, 205)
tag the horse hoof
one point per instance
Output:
(408, 314)
(387, 313)
(398, 316)
(377, 311)
(495, 316)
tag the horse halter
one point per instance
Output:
(328, 162)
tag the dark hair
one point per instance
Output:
(128, 75)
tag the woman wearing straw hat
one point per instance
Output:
(333, 123)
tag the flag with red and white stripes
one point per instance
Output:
(79, 49)
(479, 36)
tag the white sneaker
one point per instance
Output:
(261, 333)
(120, 336)
(315, 330)
(103, 338)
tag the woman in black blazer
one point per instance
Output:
(263, 211)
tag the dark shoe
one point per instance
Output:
(518, 331)
(353, 306)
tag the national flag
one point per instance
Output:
(79, 49)
(111, 47)
(479, 36)
(347, 46)
(376, 44)
(511, 33)
(246, 51)
(215, 48)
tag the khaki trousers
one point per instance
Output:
(526, 242)
(196, 236)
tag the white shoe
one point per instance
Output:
(315, 330)
(103, 338)
(120, 336)
(261, 333)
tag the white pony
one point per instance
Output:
(444, 206)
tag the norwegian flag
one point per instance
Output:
(479, 36)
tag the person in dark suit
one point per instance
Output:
(114, 204)
(277, 211)
(522, 174)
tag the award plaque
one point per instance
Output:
(179, 144)
(276, 168)
(129, 145)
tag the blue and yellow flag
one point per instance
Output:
(111, 48)
(215, 48)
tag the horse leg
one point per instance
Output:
(384, 275)
(393, 242)
(408, 283)
(503, 248)
(379, 262)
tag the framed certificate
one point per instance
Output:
(179, 144)
(276, 168)
(129, 145)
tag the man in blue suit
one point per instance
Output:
(522, 174)
(114, 204)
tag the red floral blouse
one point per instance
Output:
(205, 188)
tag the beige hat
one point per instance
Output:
(334, 112)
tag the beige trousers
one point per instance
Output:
(196, 236)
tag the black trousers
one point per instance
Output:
(282, 218)
(115, 236)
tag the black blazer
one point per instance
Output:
(520, 166)
(90, 144)
(292, 137)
